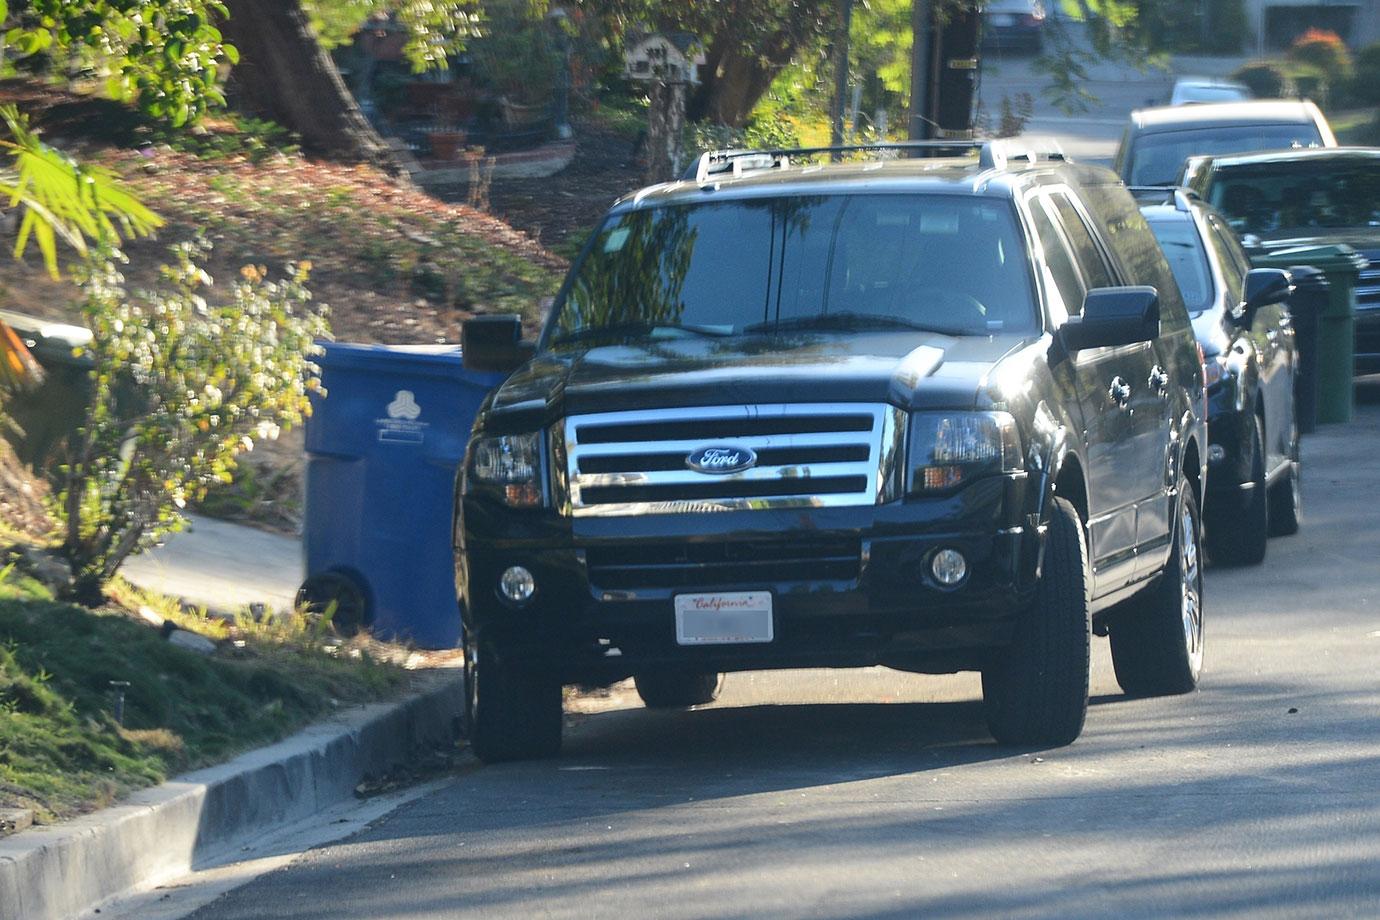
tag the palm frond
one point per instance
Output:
(63, 200)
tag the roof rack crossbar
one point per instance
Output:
(991, 154)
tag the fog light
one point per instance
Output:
(517, 585)
(949, 567)
(1216, 453)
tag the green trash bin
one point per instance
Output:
(1336, 324)
(45, 415)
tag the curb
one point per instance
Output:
(52, 873)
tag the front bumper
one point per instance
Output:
(850, 586)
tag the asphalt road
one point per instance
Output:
(874, 793)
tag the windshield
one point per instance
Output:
(942, 263)
(1157, 159)
(1310, 193)
(1183, 247)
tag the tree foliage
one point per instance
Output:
(60, 199)
(180, 387)
(163, 55)
(435, 29)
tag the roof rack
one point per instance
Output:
(992, 154)
(1180, 195)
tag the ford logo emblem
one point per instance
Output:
(720, 459)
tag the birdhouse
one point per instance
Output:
(669, 57)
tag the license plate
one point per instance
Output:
(728, 618)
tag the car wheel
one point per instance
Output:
(1286, 498)
(677, 689)
(1035, 691)
(1239, 524)
(1157, 639)
(512, 709)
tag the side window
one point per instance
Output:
(1061, 273)
(1085, 249)
(1232, 274)
(1134, 245)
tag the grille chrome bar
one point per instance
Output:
(839, 454)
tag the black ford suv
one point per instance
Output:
(938, 414)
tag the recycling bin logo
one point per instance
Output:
(402, 425)
(404, 405)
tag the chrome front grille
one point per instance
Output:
(808, 455)
(1368, 284)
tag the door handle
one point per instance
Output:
(1159, 380)
(1119, 392)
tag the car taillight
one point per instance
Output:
(1032, 19)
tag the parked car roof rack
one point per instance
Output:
(992, 154)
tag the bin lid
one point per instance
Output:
(42, 331)
(429, 360)
(1333, 258)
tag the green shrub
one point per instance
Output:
(1365, 81)
(1324, 50)
(1266, 79)
(180, 387)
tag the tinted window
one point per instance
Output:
(1184, 250)
(1314, 192)
(1232, 275)
(946, 262)
(1157, 159)
(1062, 276)
(1135, 247)
(1090, 260)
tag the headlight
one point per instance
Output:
(512, 461)
(950, 449)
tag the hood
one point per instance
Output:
(905, 369)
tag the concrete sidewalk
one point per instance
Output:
(221, 566)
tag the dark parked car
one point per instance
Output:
(1302, 198)
(939, 415)
(1013, 24)
(1158, 140)
(1242, 322)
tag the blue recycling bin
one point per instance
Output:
(383, 447)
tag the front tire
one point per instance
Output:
(512, 707)
(1035, 691)
(1157, 639)
(677, 690)
(1239, 523)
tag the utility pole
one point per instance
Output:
(839, 107)
(922, 41)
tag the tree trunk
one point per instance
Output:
(735, 78)
(284, 74)
(730, 90)
(665, 127)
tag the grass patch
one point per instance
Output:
(62, 752)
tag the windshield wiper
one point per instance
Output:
(639, 328)
(848, 320)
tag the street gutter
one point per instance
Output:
(158, 834)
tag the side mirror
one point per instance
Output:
(1114, 316)
(1266, 286)
(494, 343)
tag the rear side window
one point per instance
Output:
(1065, 284)
(1085, 250)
